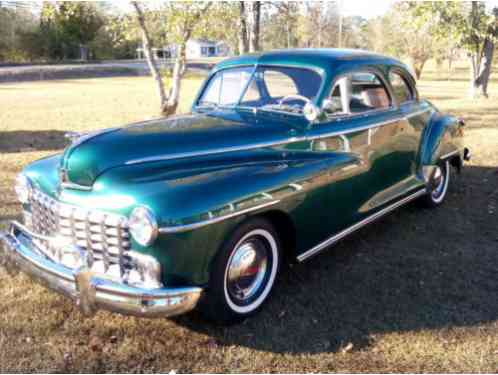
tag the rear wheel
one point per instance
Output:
(439, 185)
(243, 273)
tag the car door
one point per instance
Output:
(364, 123)
(415, 112)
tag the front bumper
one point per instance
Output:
(89, 290)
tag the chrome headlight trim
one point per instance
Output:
(142, 219)
(23, 188)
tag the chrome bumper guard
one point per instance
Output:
(89, 290)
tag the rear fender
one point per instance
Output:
(441, 140)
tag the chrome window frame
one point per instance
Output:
(408, 82)
(319, 71)
(392, 106)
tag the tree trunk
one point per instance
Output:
(243, 46)
(473, 74)
(287, 27)
(418, 66)
(169, 107)
(486, 62)
(151, 62)
(83, 52)
(255, 17)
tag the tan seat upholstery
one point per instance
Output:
(375, 97)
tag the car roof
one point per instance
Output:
(330, 62)
(326, 59)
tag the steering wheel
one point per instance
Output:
(296, 97)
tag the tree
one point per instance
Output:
(243, 42)
(279, 20)
(221, 22)
(182, 20)
(249, 26)
(318, 24)
(15, 23)
(71, 24)
(402, 33)
(255, 19)
(475, 30)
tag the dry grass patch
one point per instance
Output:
(416, 293)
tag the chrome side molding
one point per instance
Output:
(188, 227)
(450, 154)
(335, 238)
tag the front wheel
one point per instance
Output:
(243, 273)
(439, 185)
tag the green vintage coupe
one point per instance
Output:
(284, 154)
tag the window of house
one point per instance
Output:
(401, 90)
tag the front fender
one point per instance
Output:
(191, 192)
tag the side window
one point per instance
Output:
(401, 89)
(226, 86)
(368, 93)
(356, 93)
(279, 84)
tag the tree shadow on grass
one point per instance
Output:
(32, 140)
(416, 269)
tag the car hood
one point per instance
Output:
(193, 135)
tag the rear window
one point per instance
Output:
(401, 89)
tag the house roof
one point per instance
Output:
(203, 41)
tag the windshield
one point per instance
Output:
(269, 87)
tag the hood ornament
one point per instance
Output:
(73, 136)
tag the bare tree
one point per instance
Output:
(243, 42)
(185, 16)
(249, 26)
(255, 18)
(151, 61)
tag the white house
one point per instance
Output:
(195, 48)
(206, 48)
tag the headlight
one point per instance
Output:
(143, 226)
(23, 188)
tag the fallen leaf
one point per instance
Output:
(348, 348)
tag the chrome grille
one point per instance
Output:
(103, 236)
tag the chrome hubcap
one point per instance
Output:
(247, 270)
(438, 179)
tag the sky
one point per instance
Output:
(364, 8)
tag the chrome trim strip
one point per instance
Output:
(214, 151)
(267, 144)
(321, 246)
(353, 130)
(418, 113)
(73, 186)
(188, 227)
(450, 154)
(29, 232)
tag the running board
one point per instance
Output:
(321, 246)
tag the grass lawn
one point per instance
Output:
(417, 292)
